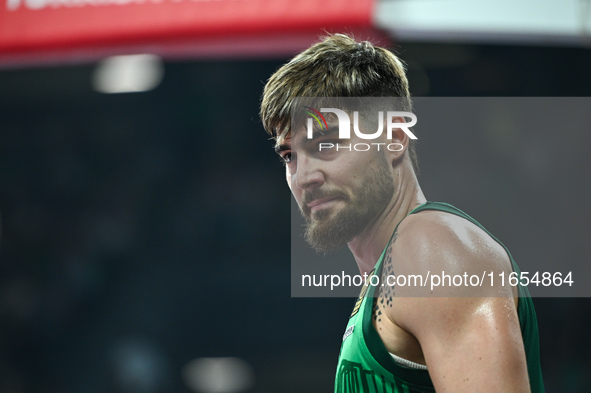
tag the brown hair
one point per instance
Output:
(337, 66)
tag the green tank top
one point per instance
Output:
(365, 366)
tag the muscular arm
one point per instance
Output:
(470, 344)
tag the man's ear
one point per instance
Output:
(399, 142)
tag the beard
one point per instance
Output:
(327, 230)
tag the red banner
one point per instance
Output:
(37, 26)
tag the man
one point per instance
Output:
(399, 338)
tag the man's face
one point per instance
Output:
(339, 193)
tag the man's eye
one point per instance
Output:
(286, 158)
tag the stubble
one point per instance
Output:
(327, 230)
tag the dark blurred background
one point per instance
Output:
(142, 231)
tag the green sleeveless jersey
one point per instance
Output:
(365, 366)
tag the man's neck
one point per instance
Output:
(369, 245)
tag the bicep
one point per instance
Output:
(470, 344)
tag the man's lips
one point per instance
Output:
(318, 204)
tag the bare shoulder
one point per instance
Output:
(457, 328)
(441, 243)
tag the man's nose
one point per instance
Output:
(308, 174)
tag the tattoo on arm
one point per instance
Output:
(386, 292)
